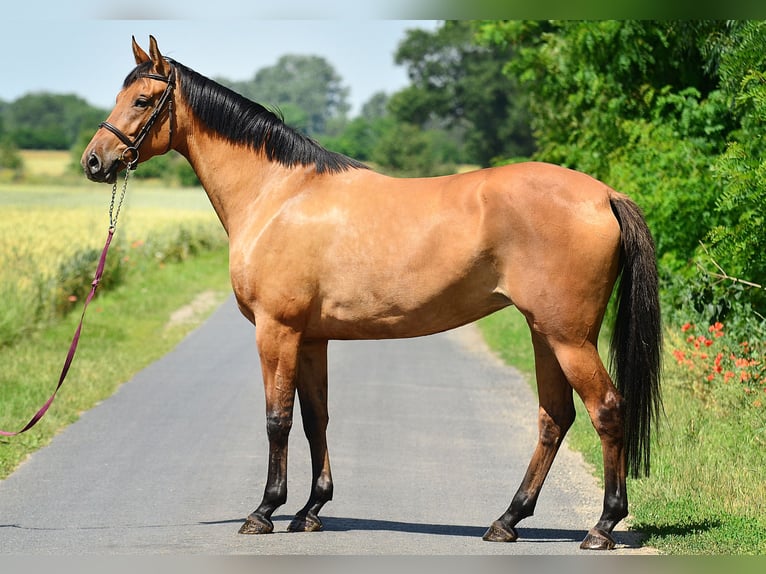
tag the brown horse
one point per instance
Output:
(323, 248)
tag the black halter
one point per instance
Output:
(135, 143)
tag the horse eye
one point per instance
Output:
(141, 103)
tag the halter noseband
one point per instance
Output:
(135, 143)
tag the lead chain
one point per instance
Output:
(114, 211)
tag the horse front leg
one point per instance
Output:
(312, 393)
(278, 349)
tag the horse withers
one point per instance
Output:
(322, 248)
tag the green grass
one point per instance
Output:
(707, 490)
(125, 330)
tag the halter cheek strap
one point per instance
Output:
(135, 143)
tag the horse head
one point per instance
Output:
(141, 124)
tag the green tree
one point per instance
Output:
(396, 147)
(49, 121)
(740, 242)
(584, 78)
(361, 135)
(307, 90)
(405, 150)
(458, 84)
(11, 162)
(376, 107)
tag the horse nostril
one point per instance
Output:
(94, 162)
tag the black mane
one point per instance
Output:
(244, 121)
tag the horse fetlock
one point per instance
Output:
(615, 509)
(522, 506)
(323, 490)
(274, 496)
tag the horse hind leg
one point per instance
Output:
(312, 393)
(555, 416)
(588, 376)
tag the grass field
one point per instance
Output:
(51, 237)
(46, 163)
(169, 246)
(707, 490)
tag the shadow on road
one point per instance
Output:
(345, 524)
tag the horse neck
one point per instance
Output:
(233, 175)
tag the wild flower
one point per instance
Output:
(710, 357)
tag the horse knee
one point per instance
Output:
(552, 429)
(315, 423)
(278, 427)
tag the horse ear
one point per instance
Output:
(160, 64)
(138, 53)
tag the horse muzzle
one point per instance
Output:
(98, 169)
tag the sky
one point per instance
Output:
(83, 46)
(91, 58)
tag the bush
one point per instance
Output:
(665, 168)
(75, 275)
(11, 162)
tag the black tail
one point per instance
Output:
(636, 350)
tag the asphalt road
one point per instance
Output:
(429, 439)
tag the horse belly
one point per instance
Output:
(406, 306)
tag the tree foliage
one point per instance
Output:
(48, 121)
(583, 79)
(740, 240)
(306, 89)
(457, 84)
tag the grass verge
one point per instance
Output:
(125, 330)
(707, 491)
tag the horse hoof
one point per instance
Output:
(498, 533)
(307, 523)
(597, 539)
(257, 525)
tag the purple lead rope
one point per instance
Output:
(75, 340)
